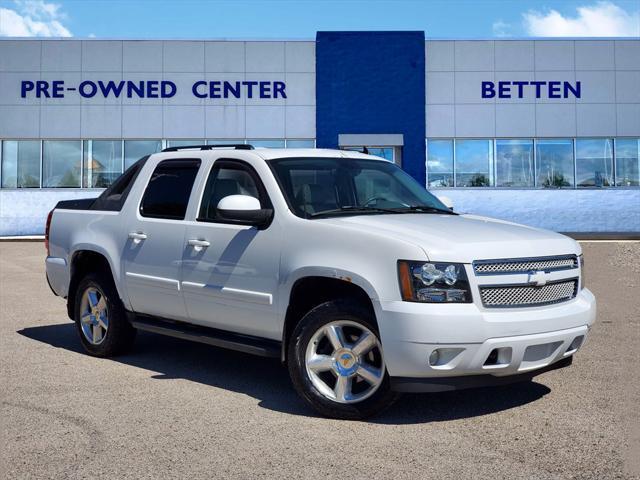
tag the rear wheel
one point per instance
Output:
(336, 362)
(100, 317)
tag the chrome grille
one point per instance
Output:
(528, 296)
(524, 265)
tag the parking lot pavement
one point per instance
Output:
(173, 409)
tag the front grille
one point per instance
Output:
(512, 296)
(524, 265)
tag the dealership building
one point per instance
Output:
(537, 131)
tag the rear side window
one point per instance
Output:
(113, 198)
(169, 189)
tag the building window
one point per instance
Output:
(301, 144)
(134, 150)
(554, 163)
(225, 141)
(628, 162)
(514, 163)
(594, 162)
(102, 161)
(440, 163)
(62, 161)
(20, 164)
(267, 143)
(474, 163)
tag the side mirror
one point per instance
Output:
(446, 201)
(243, 210)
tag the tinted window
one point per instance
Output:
(229, 178)
(113, 198)
(167, 194)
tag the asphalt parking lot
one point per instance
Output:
(173, 409)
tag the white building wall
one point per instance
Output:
(182, 116)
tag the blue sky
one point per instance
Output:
(302, 18)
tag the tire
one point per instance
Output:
(313, 360)
(108, 333)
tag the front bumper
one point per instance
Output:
(474, 341)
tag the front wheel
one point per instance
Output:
(336, 362)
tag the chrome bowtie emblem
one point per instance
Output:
(537, 278)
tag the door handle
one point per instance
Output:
(198, 245)
(137, 237)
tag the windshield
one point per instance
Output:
(316, 187)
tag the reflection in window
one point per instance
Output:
(473, 163)
(301, 144)
(628, 162)
(225, 142)
(554, 163)
(102, 162)
(20, 164)
(514, 163)
(62, 160)
(440, 163)
(266, 143)
(134, 150)
(594, 162)
(382, 152)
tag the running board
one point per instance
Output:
(211, 336)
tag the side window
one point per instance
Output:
(168, 191)
(113, 198)
(230, 178)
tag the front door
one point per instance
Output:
(230, 272)
(153, 251)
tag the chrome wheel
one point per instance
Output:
(94, 318)
(344, 361)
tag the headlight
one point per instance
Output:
(433, 282)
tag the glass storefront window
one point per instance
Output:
(267, 143)
(554, 163)
(440, 163)
(225, 141)
(102, 161)
(20, 164)
(134, 150)
(474, 159)
(628, 162)
(301, 144)
(514, 163)
(62, 161)
(594, 162)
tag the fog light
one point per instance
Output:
(434, 357)
(575, 345)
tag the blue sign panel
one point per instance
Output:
(372, 83)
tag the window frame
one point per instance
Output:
(236, 164)
(195, 160)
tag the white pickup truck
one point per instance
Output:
(338, 263)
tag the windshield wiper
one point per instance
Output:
(353, 209)
(425, 209)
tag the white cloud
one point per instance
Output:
(501, 29)
(33, 18)
(603, 19)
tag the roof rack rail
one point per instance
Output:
(235, 146)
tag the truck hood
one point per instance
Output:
(463, 238)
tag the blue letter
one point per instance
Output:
(278, 87)
(170, 92)
(194, 89)
(235, 91)
(25, 87)
(249, 86)
(92, 89)
(265, 89)
(488, 90)
(554, 90)
(57, 88)
(568, 88)
(537, 84)
(214, 89)
(504, 90)
(111, 86)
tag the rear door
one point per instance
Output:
(153, 251)
(230, 272)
